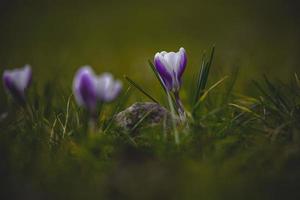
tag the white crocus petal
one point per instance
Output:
(173, 61)
(21, 77)
(107, 88)
(114, 90)
(103, 83)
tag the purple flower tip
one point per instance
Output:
(16, 82)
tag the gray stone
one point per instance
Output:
(148, 113)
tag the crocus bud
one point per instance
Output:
(85, 88)
(16, 82)
(108, 88)
(170, 67)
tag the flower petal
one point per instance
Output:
(182, 62)
(114, 91)
(107, 88)
(171, 59)
(163, 70)
(103, 83)
(84, 88)
(11, 88)
(16, 81)
(23, 77)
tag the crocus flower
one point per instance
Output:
(89, 89)
(16, 82)
(85, 88)
(170, 67)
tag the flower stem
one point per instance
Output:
(176, 135)
(92, 126)
(27, 108)
(181, 112)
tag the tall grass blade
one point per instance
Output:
(277, 95)
(202, 98)
(203, 75)
(67, 117)
(199, 79)
(52, 138)
(297, 80)
(245, 109)
(140, 89)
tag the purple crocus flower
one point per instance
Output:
(84, 88)
(89, 89)
(170, 67)
(16, 82)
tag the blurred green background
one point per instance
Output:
(56, 37)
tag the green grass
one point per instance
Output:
(234, 147)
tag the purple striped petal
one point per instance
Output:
(163, 72)
(84, 88)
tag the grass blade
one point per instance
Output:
(203, 75)
(276, 95)
(140, 89)
(205, 93)
(297, 80)
(245, 109)
(199, 80)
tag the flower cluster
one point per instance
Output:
(90, 89)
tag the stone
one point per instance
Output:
(151, 114)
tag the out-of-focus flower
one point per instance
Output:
(85, 88)
(89, 89)
(108, 88)
(16, 82)
(170, 66)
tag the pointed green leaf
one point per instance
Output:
(140, 89)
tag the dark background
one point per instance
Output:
(57, 37)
